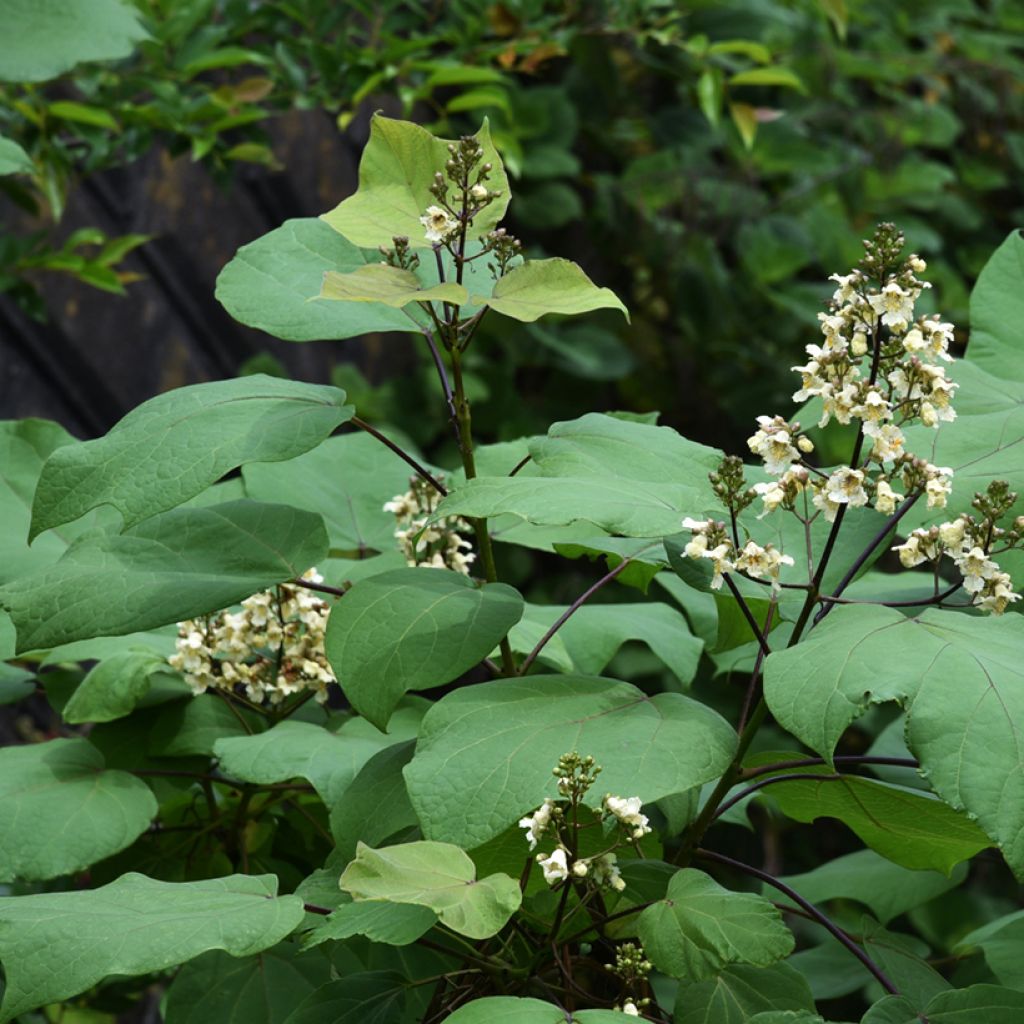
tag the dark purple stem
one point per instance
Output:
(421, 471)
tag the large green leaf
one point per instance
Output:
(347, 480)
(174, 566)
(510, 1010)
(55, 945)
(60, 811)
(269, 284)
(372, 997)
(485, 752)
(55, 35)
(959, 678)
(261, 989)
(592, 636)
(539, 287)
(290, 750)
(701, 927)
(907, 826)
(435, 875)
(395, 174)
(413, 629)
(997, 310)
(887, 889)
(977, 1004)
(738, 992)
(378, 282)
(175, 445)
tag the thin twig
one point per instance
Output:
(420, 470)
(519, 465)
(755, 676)
(446, 387)
(821, 918)
(322, 588)
(748, 615)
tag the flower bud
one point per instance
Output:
(859, 344)
(805, 444)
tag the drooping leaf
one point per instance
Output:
(435, 875)
(485, 752)
(887, 889)
(957, 675)
(413, 629)
(184, 563)
(909, 827)
(261, 989)
(114, 687)
(172, 447)
(701, 927)
(539, 287)
(737, 992)
(56, 35)
(134, 926)
(372, 997)
(395, 174)
(269, 283)
(378, 282)
(897, 956)
(394, 924)
(510, 1010)
(60, 811)
(13, 159)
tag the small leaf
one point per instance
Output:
(435, 875)
(175, 566)
(69, 110)
(135, 925)
(769, 76)
(394, 924)
(700, 927)
(174, 446)
(709, 94)
(60, 811)
(13, 159)
(388, 285)
(412, 629)
(539, 287)
(744, 116)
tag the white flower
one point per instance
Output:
(888, 444)
(720, 563)
(536, 823)
(554, 866)
(976, 568)
(760, 561)
(696, 547)
(696, 524)
(774, 443)
(846, 485)
(886, 498)
(894, 305)
(771, 493)
(847, 289)
(839, 404)
(439, 224)
(997, 595)
(859, 344)
(952, 534)
(629, 1008)
(627, 811)
(910, 552)
(606, 872)
(938, 485)
(479, 192)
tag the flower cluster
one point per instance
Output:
(271, 649)
(444, 220)
(626, 811)
(632, 967)
(439, 545)
(711, 541)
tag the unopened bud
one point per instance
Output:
(805, 444)
(859, 344)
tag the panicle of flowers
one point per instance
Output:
(632, 968)
(460, 191)
(439, 545)
(970, 541)
(271, 649)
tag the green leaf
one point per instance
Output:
(395, 174)
(389, 285)
(55, 36)
(897, 956)
(262, 989)
(885, 888)
(82, 113)
(511, 1010)
(435, 875)
(192, 727)
(701, 927)
(346, 480)
(976, 1004)
(394, 924)
(911, 828)
(175, 445)
(376, 806)
(997, 304)
(738, 992)
(1000, 942)
(60, 811)
(291, 750)
(485, 752)
(373, 997)
(592, 636)
(957, 675)
(13, 159)
(175, 566)
(744, 116)
(269, 282)
(114, 687)
(539, 287)
(769, 76)
(412, 629)
(135, 925)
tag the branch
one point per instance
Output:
(935, 599)
(323, 588)
(747, 614)
(850, 759)
(442, 374)
(755, 676)
(421, 471)
(810, 908)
